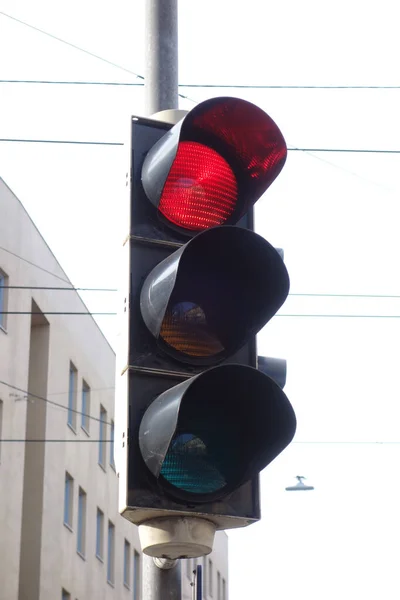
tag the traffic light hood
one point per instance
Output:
(213, 165)
(208, 298)
(207, 436)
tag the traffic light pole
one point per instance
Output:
(161, 55)
(161, 579)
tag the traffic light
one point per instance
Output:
(198, 421)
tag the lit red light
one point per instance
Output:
(201, 189)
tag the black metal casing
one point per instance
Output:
(149, 371)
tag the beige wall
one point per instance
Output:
(33, 481)
(218, 561)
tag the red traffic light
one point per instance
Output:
(213, 165)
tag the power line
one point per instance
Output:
(328, 442)
(114, 314)
(53, 403)
(58, 39)
(46, 312)
(34, 264)
(353, 150)
(346, 295)
(47, 441)
(65, 289)
(304, 294)
(80, 49)
(341, 168)
(342, 316)
(80, 142)
(208, 85)
(289, 87)
(52, 82)
(347, 442)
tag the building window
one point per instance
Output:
(99, 534)
(85, 423)
(3, 299)
(223, 589)
(65, 595)
(219, 586)
(112, 436)
(1, 424)
(210, 577)
(81, 522)
(102, 437)
(110, 553)
(72, 396)
(68, 500)
(127, 564)
(136, 575)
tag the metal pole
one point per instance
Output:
(161, 579)
(161, 55)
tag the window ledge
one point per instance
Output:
(72, 428)
(68, 526)
(100, 558)
(128, 587)
(110, 583)
(102, 467)
(85, 430)
(83, 557)
(113, 467)
(3, 329)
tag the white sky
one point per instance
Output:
(335, 215)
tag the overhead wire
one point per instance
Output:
(47, 440)
(312, 442)
(80, 49)
(53, 403)
(294, 149)
(57, 312)
(86, 289)
(29, 262)
(206, 85)
(114, 314)
(78, 142)
(64, 289)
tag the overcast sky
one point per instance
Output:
(335, 214)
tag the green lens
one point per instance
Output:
(190, 466)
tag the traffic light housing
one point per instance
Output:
(197, 420)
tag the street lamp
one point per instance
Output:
(300, 486)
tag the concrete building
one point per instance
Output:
(61, 535)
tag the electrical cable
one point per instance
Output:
(64, 289)
(209, 85)
(114, 314)
(77, 441)
(312, 295)
(342, 316)
(306, 150)
(53, 403)
(46, 441)
(58, 39)
(79, 142)
(35, 265)
(76, 47)
(57, 312)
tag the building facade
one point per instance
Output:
(61, 535)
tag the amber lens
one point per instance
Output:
(185, 329)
